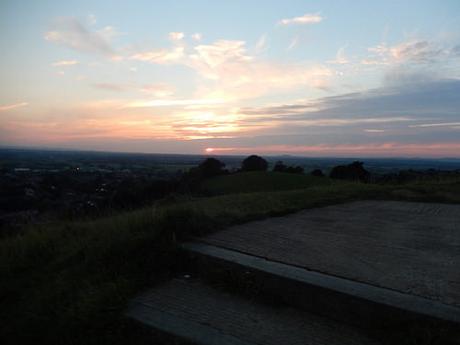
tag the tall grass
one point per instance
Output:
(62, 283)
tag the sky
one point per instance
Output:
(305, 78)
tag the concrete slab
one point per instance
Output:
(364, 305)
(201, 314)
(413, 248)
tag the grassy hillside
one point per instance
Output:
(68, 283)
(258, 181)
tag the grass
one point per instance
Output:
(257, 181)
(447, 190)
(68, 283)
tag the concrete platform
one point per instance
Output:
(201, 314)
(359, 273)
(411, 248)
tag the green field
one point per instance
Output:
(68, 282)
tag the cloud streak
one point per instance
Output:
(172, 102)
(69, 32)
(421, 112)
(64, 63)
(13, 106)
(162, 56)
(428, 125)
(387, 149)
(176, 36)
(110, 87)
(307, 18)
(415, 51)
(340, 58)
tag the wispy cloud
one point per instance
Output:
(432, 106)
(386, 149)
(197, 36)
(172, 102)
(158, 90)
(69, 32)
(371, 130)
(227, 70)
(239, 74)
(411, 51)
(205, 125)
(294, 42)
(63, 63)
(299, 120)
(261, 44)
(429, 125)
(110, 86)
(13, 106)
(162, 56)
(91, 19)
(307, 18)
(221, 52)
(340, 57)
(176, 36)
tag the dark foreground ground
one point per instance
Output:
(69, 282)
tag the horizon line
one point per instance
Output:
(204, 154)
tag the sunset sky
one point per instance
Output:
(309, 78)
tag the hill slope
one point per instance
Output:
(260, 181)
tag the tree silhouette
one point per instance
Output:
(211, 167)
(254, 163)
(280, 167)
(317, 172)
(353, 171)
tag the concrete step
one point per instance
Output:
(349, 301)
(201, 314)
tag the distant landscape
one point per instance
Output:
(113, 221)
(48, 184)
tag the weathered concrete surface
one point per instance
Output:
(410, 247)
(204, 315)
(364, 305)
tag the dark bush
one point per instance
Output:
(281, 167)
(254, 163)
(138, 192)
(294, 170)
(211, 167)
(353, 172)
(317, 173)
